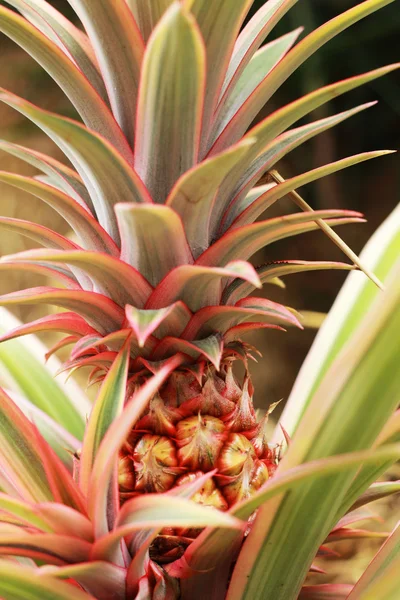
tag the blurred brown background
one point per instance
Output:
(372, 188)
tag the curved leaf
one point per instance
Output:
(112, 277)
(90, 234)
(147, 14)
(162, 321)
(246, 240)
(251, 37)
(40, 234)
(221, 318)
(60, 175)
(66, 35)
(267, 273)
(170, 103)
(86, 100)
(119, 48)
(105, 172)
(193, 195)
(200, 286)
(145, 230)
(18, 582)
(98, 310)
(249, 110)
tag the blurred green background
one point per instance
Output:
(372, 188)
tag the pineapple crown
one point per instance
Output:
(163, 197)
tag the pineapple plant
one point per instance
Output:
(164, 200)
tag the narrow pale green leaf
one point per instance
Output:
(20, 461)
(213, 546)
(219, 24)
(103, 468)
(98, 310)
(147, 14)
(200, 286)
(243, 118)
(245, 241)
(24, 583)
(251, 37)
(355, 298)
(162, 510)
(90, 234)
(38, 233)
(60, 175)
(23, 363)
(272, 273)
(111, 276)
(241, 180)
(67, 36)
(246, 211)
(170, 104)
(107, 408)
(101, 578)
(253, 75)
(86, 100)
(152, 228)
(193, 195)
(119, 49)
(380, 579)
(343, 416)
(106, 174)
(376, 491)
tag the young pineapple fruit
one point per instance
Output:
(164, 205)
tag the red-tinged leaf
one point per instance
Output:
(101, 578)
(200, 286)
(23, 512)
(236, 333)
(20, 460)
(115, 341)
(19, 582)
(59, 275)
(147, 14)
(379, 568)
(347, 533)
(42, 235)
(97, 310)
(245, 241)
(106, 174)
(159, 233)
(170, 104)
(60, 175)
(292, 60)
(325, 591)
(268, 273)
(355, 516)
(376, 491)
(68, 76)
(253, 75)
(66, 35)
(67, 322)
(107, 408)
(241, 181)
(251, 38)
(161, 510)
(112, 277)
(211, 348)
(119, 49)
(242, 212)
(90, 234)
(107, 453)
(53, 548)
(64, 488)
(65, 520)
(219, 25)
(222, 318)
(193, 195)
(160, 321)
